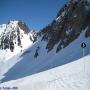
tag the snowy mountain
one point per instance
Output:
(71, 20)
(14, 37)
(57, 44)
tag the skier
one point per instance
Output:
(11, 46)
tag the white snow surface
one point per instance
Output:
(72, 76)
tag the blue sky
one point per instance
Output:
(36, 13)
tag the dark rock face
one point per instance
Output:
(87, 34)
(71, 20)
(7, 40)
(24, 27)
(11, 35)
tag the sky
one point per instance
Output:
(35, 13)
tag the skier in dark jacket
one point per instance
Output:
(11, 46)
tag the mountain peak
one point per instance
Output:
(13, 21)
(15, 35)
(71, 20)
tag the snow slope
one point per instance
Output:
(71, 76)
(25, 64)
